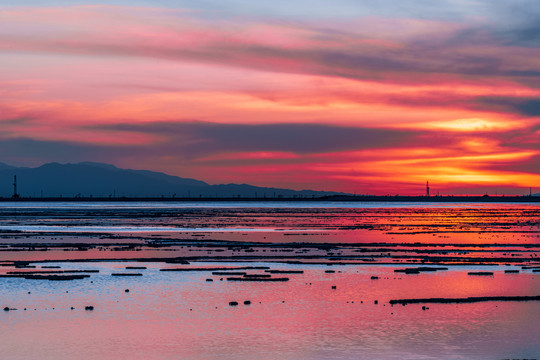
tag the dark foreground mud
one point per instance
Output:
(464, 300)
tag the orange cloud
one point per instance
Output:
(364, 105)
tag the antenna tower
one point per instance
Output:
(15, 195)
(427, 188)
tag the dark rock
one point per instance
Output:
(420, 269)
(465, 300)
(412, 271)
(481, 273)
(177, 261)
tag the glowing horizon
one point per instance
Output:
(353, 97)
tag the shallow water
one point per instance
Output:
(283, 204)
(334, 222)
(171, 315)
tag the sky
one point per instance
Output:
(365, 97)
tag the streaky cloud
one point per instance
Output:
(205, 137)
(526, 106)
(355, 51)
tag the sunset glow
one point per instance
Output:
(343, 98)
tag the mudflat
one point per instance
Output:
(299, 278)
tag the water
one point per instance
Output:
(359, 222)
(172, 315)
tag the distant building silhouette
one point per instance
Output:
(427, 188)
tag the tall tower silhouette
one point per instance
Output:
(15, 195)
(427, 188)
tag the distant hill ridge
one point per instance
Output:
(87, 179)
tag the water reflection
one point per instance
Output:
(180, 315)
(317, 314)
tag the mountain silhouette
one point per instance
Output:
(89, 179)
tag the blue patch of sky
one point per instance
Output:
(514, 21)
(423, 9)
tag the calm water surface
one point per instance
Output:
(177, 315)
(181, 315)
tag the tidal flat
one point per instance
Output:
(269, 281)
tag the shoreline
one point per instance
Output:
(335, 198)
